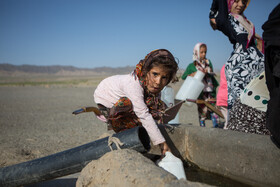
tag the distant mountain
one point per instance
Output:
(32, 69)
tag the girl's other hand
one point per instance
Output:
(164, 148)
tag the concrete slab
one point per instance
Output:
(249, 158)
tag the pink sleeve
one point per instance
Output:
(222, 95)
(135, 94)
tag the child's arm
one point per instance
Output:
(211, 69)
(184, 76)
(190, 71)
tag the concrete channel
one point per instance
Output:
(249, 158)
(252, 160)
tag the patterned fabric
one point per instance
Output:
(122, 116)
(210, 82)
(248, 26)
(242, 66)
(196, 56)
(139, 73)
(191, 70)
(256, 94)
(205, 65)
(143, 64)
(244, 118)
(155, 104)
(203, 111)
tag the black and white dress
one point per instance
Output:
(245, 63)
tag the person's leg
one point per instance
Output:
(202, 111)
(214, 118)
(224, 111)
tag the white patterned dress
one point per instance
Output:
(245, 63)
(242, 66)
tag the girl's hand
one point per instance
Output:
(164, 147)
(200, 69)
(207, 70)
(213, 23)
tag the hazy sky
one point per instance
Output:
(114, 33)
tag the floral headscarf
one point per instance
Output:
(155, 105)
(144, 64)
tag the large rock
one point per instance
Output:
(127, 168)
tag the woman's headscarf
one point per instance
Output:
(207, 80)
(196, 56)
(230, 2)
(155, 105)
(145, 63)
(196, 49)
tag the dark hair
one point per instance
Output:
(167, 62)
(203, 45)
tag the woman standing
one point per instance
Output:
(246, 60)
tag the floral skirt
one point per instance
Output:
(121, 116)
(240, 69)
(247, 119)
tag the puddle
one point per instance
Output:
(197, 175)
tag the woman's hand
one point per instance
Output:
(164, 147)
(213, 23)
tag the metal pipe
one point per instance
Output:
(72, 160)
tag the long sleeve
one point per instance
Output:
(222, 95)
(189, 70)
(111, 89)
(219, 11)
(184, 76)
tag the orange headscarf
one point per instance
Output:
(154, 103)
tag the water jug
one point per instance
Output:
(167, 96)
(191, 87)
(173, 165)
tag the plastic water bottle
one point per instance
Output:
(191, 88)
(167, 96)
(173, 165)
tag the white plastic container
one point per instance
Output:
(191, 87)
(167, 96)
(173, 165)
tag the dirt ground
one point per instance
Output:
(37, 121)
